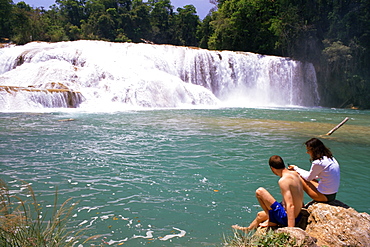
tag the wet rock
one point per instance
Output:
(56, 96)
(54, 85)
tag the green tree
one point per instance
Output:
(72, 10)
(187, 23)
(287, 27)
(205, 30)
(346, 53)
(21, 32)
(243, 25)
(106, 26)
(140, 21)
(161, 21)
(54, 28)
(5, 15)
(124, 5)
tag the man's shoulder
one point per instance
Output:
(288, 178)
(284, 180)
(289, 175)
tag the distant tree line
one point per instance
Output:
(110, 20)
(334, 35)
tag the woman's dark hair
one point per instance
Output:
(318, 149)
(276, 162)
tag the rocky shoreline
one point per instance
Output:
(330, 224)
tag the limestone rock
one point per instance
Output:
(56, 96)
(54, 85)
(333, 224)
(301, 237)
(338, 225)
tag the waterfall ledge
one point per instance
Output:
(49, 97)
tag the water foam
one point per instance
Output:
(123, 76)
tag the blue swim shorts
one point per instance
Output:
(278, 215)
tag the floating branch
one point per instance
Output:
(337, 127)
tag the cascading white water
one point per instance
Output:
(26, 98)
(128, 75)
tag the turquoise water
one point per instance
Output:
(147, 172)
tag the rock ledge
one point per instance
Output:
(334, 224)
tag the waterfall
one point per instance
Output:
(23, 98)
(124, 75)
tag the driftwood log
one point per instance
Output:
(337, 127)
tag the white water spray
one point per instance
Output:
(127, 75)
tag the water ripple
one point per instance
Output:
(195, 170)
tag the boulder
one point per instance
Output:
(333, 224)
(336, 224)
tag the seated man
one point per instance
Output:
(274, 213)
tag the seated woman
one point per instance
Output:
(324, 167)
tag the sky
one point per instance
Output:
(203, 6)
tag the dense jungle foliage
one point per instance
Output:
(334, 35)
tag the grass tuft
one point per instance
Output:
(22, 222)
(259, 238)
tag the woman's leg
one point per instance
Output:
(310, 187)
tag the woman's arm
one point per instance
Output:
(315, 170)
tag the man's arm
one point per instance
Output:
(288, 201)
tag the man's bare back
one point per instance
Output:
(273, 212)
(290, 184)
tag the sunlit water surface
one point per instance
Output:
(140, 176)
